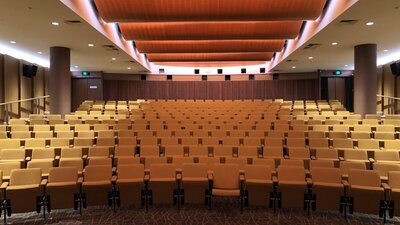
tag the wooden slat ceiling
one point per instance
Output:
(207, 32)
(208, 10)
(210, 31)
(203, 57)
(209, 46)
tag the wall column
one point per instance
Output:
(60, 80)
(365, 79)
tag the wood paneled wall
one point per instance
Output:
(265, 89)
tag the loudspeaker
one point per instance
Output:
(262, 70)
(227, 77)
(196, 71)
(143, 77)
(243, 70)
(203, 77)
(161, 71)
(169, 77)
(29, 70)
(220, 71)
(251, 77)
(275, 76)
(395, 67)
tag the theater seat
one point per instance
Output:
(259, 184)
(162, 183)
(292, 186)
(328, 187)
(130, 183)
(194, 182)
(97, 184)
(62, 187)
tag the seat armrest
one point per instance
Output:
(4, 185)
(84, 157)
(146, 178)
(179, 176)
(28, 158)
(57, 157)
(275, 180)
(210, 176)
(147, 171)
(386, 186)
(111, 156)
(179, 171)
(345, 183)
(313, 157)
(43, 183)
(80, 180)
(114, 179)
(114, 170)
(309, 181)
(235, 155)
(341, 158)
(137, 155)
(371, 160)
(241, 177)
(286, 157)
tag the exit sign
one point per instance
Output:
(85, 73)
(337, 72)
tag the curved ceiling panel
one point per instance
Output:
(211, 31)
(200, 57)
(208, 10)
(209, 46)
(212, 64)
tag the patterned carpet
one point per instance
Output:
(225, 211)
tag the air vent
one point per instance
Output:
(291, 60)
(348, 22)
(312, 46)
(72, 22)
(110, 48)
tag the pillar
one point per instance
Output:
(365, 79)
(60, 80)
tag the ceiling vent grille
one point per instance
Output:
(72, 22)
(348, 22)
(110, 48)
(312, 46)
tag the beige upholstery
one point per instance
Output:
(258, 183)
(241, 162)
(23, 189)
(35, 143)
(130, 183)
(394, 183)
(7, 167)
(365, 188)
(198, 151)
(210, 162)
(226, 180)
(59, 142)
(72, 162)
(150, 150)
(43, 155)
(368, 144)
(387, 157)
(356, 155)
(222, 151)
(97, 184)
(43, 165)
(98, 152)
(321, 163)
(292, 185)
(194, 182)
(9, 155)
(384, 168)
(392, 145)
(346, 166)
(328, 187)
(162, 183)
(148, 161)
(173, 150)
(61, 187)
(343, 144)
(292, 162)
(178, 161)
(273, 153)
(326, 154)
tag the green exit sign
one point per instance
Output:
(85, 73)
(338, 72)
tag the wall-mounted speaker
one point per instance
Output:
(251, 77)
(29, 70)
(262, 69)
(227, 77)
(275, 76)
(243, 70)
(220, 71)
(196, 71)
(203, 77)
(143, 77)
(169, 77)
(395, 67)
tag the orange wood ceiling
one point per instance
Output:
(208, 10)
(209, 46)
(210, 31)
(211, 64)
(201, 57)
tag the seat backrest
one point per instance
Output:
(105, 142)
(384, 168)
(154, 160)
(226, 176)
(368, 178)
(318, 142)
(316, 134)
(162, 171)
(392, 144)
(291, 173)
(9, 143)
(274, 152)
(100, 161)
(326, 154)
(63, 174)
(25, 176)
(222, 150)
(174, 150)
(124, 151)
(71, 153)
(266, 162)
(394, 179)
(299, 152)
(198, 170)
(71, 162)
(259, 172)
(98, 173)
(292, 162)
(17, 154)
(35, 143)
(6, 167)
(43, 154)
(130, 171)
(368, 144)
(43, 165)
(355, 155)
(326, 175)
(178, 161)
(241, 162)
(149, 150)
(346, 166)
(343, 143)
(321, 163)
(386, 156)
(99, 152)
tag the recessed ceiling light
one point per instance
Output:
(55, 23)
(310, 57)
(13, 42)
(334, 43)
(385, 50)
(293, 67)
(129, 68)
(113, 59)
(369, 23)
(91, 45)
(76, 66)
(39, 53)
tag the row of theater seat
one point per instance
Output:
(289, 186)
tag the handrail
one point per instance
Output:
(389, 97)
(24, 100)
